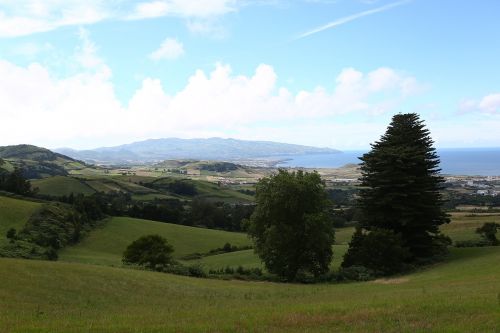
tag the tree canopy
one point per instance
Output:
(400, 190)
(291, 225)
(152, 252)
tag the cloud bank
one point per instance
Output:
(84, 107)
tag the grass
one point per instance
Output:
(245, 258)
(61, 185)
(14, 213)
(460, 295)
(463, 226)
(248, 259)
(212, 191)
(106, 244)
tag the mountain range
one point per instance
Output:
(155, 150)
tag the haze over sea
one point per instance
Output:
(457, 161)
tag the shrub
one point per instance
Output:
(379, 250)
(488, 232)
(151, 252)
(356, 273)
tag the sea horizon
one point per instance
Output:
(453, 161)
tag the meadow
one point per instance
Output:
(88, 290)
(105, 245)
(14, 213)
(460, 295)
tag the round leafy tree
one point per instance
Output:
(152, 252)
(401, 189)
(291, 226)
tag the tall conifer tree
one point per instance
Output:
(401, 188)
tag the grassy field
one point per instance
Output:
(87, 185)
(106, 244)
(14, 213)
(463, 226)
(461, 295)
(60, 185)
(248, 259)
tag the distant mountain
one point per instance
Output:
(37, 162)
(155, 150)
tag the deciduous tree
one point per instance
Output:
(291, 226)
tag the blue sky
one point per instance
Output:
(95, 73)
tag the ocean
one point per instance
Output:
(470, 161)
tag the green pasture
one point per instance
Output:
(61, 185)
(105, 245)
(460, 295)
(14, 213)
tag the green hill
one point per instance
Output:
(14, 213)
(61, 185)
(38, 162)
(106, 244)
(457, 296)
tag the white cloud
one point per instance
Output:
(84, 107)
(169, 49)
(487, 104)
(25, 17)
(183, 8)
(209, 27)
(30, 49)
(490, 103)
(83, 110)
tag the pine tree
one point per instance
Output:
(401, 188)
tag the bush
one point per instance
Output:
(151, 252)
(489, 233)
(238, 273)
(379, 250)
(11, 234)
(356, 273)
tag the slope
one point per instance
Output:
(38, 162)
(106, 244)
(457, 296)
(14, 213)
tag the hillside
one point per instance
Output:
(155, 150)
(38, 162)
(140, 188)
(14, 213)
(64, 297)
(106, 244)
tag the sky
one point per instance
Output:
(326, 73)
